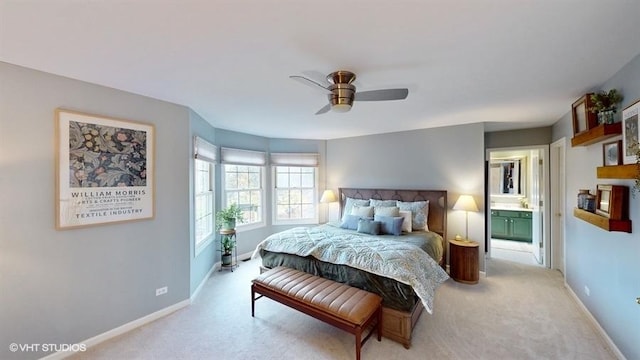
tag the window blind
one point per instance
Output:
(204, 150)
(295, 159)
(242, 157)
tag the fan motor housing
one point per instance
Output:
(342, 94)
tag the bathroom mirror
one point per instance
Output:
(507, 176)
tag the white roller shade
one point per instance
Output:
(204, 150)
(295, 159)
(242, 157)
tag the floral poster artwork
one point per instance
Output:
(630, 139)
(104, 170)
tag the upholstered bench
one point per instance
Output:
(348, 308)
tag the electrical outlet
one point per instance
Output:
(162, 291)
(587, 291)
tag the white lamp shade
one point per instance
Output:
(466, 203)
(328, 197)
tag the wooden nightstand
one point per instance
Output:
(463, 261)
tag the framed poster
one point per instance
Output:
(104, 170)
(630, 133)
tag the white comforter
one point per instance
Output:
(379, 255)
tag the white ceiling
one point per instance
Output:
(508, 63)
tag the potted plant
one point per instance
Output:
(227, 242)
(227, 218)
(605, 105)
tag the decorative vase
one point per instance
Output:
(606, 116)
(582, 195)
(590, 203)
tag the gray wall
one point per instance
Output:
(606, 262)
(447, 158)
(66, 286)
(203, 262)
(521, 137)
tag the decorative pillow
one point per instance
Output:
(392, 211)
(348, 204)
(382, 203)
(350, 222)
(362, 211)
(390, 225)
(368, 226)
(419, 213)
(406, 224)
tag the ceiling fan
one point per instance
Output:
(341, 92)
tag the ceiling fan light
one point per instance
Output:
(341, 108)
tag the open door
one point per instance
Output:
(537, 205)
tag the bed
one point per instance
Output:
(404, 269)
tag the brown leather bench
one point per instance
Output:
(343, 306)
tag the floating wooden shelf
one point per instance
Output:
(603, 222)
(598, 133)
(628, 171)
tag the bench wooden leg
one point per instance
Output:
(358, 334)
(253, 301)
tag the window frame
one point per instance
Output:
(199, 246)
(274, 203)
(247, 226)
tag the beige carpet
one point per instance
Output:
(519, 312)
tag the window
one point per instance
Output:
(204, 200)
(244, 183)
(243, 186)
(295, 194)
(204, 193)
(295, 179)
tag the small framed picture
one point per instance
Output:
(612, 153)
(583, 119)
(612, 201)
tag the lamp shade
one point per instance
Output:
(466, 203)
(328, 197)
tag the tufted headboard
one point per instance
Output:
(437, 220)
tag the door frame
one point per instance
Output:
(557, 164)
(546, 230)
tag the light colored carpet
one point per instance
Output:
(519, 312)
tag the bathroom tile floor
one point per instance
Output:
(515, 251)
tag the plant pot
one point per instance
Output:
(606, 116)
(228, 225)
(226, 259)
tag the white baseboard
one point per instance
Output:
(596, 324)
(204, 280)
(121, 329)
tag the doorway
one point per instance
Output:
(518, 205)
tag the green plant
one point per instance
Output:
(228, 215)
(228, 242)
(604, 100)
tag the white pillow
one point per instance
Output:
(348, 205)
(392, 211)
(362, 211)
(406, 223)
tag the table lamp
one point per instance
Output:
(328, 197)
(466, 203)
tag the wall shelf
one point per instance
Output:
(603, 222)
(628, 171)
(596, 134)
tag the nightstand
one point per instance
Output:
(463, 261)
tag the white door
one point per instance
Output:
(557, 173)
(536, 204)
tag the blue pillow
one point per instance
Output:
(368, 226)
(390, 225)
(350, 222)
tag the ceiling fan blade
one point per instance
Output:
(309, 82)
(382, 95)
(324, 109)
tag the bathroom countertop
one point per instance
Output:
(511, 208)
